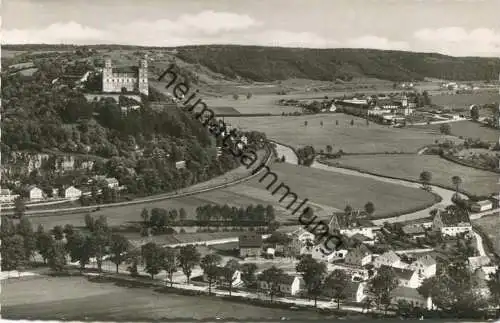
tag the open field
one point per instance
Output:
(409, 167)
(305, 182)
(491, 226)
(359, 138)
(75, 298)
(466, 129)
(461, 101)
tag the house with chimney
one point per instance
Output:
(250, 244)
(222, 274)
(355, 292)
(452, 221)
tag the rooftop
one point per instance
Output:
(402, 274)
(454, 215)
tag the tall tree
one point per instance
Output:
(171, 264)
(369, 208)
(474, 113)
(153, 256)
(44, 242)
(425, 178)
(119, 247)
(494, 287)
(337, 283)
(383, 284)
(80, 249)
(58, 233)
(445, 129)
(210, 264)
(272, 276)
(19, 208)
(25, 229)
(57, 256)
(248, 277)
(456, 180)
(231, 267)
(13, 255)
(188, 258)
(313, 273)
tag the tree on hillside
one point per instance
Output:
(369, 208)
(445, 129)
(352, 122)
(494, 287)
(13, 256)
(336, 122)
(248, 274)
(182, 215)
(321, 123)
(44, 242)
(456, 180)
(305, 123)
(25, 229)
(58, 232)
(153, 256)
(425, 178)
(171, 264)
(19, 208)
(249, 96)
(383, 284)
(80, 249)
(210, 264)
(188, 258)
(272, 277)
(313, 273)
(329, 149)
(235, 96)
(474, 113)
(57, 256)
(336, 283)
(119, 246)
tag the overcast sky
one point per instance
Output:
(454, 27)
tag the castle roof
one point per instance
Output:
(126, 69)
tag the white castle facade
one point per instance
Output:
(133, 79)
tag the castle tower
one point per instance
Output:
(142, 80)
(107, 75)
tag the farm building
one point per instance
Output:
(288, 285)
(406, 277)
(359, 257)
(72, 193)
(33, 193)
(481, 206)
(411, 296)
(354, 292)
(452, 221)
(250, 244)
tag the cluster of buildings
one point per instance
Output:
(390, 110)
(33, 193)
(361, 264)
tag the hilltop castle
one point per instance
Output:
(132, 78)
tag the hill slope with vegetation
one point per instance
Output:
(275, 63)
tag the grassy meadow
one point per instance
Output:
(75, 298)
(409, 167)
(358, 138)
(465, 129)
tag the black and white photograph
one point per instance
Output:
(250, 161)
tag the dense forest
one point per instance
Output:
(140, 146)
(275, 63)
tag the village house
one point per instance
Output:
(112, 182)
(72, 193)
(412, 297)
(452, 221)
(287, 285)
(390, 259)
(406, 277)
(350, 227)
(414, 231)
(320, 255)
(33, 193)
(477, 262)
(180, 164)
(360, 256)
(6, 196)
(481, 206)
(354, 292)
(357, 273)
(221, 274)
(425, 266)
(250, 244)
